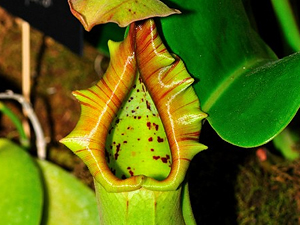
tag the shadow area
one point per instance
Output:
(6, 83)
(44, 111)
(47, 122)
(212, 177)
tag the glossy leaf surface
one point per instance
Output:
(93, 12)
(68, 201)
(249, 95)
(21, 189)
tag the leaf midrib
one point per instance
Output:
(245, 68)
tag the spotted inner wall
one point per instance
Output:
(137, 142)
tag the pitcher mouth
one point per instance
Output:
(169, 85)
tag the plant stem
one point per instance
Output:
(23, 138)
(286, 143)
(40, 140)
(287, 22)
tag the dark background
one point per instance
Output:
(52, 17)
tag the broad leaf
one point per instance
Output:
(93, 12)
(21, 189)
(249, 95)
(68, 201)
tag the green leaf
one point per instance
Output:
(68, 201)
(249, 96)
(261, 103)
(93, 12)
(109, 31)
(21, 189)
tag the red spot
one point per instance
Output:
(167, 156)
(150, 139)
(139, 117)
(159, 139)
(149, 125)
(124, 142)
(138, 139)
(118, 150)
(164, 160)
(156, 157)
(156, 126)
(130, 171)
(117, 121)
(152, 150)
(148, 105)
(132, 111)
